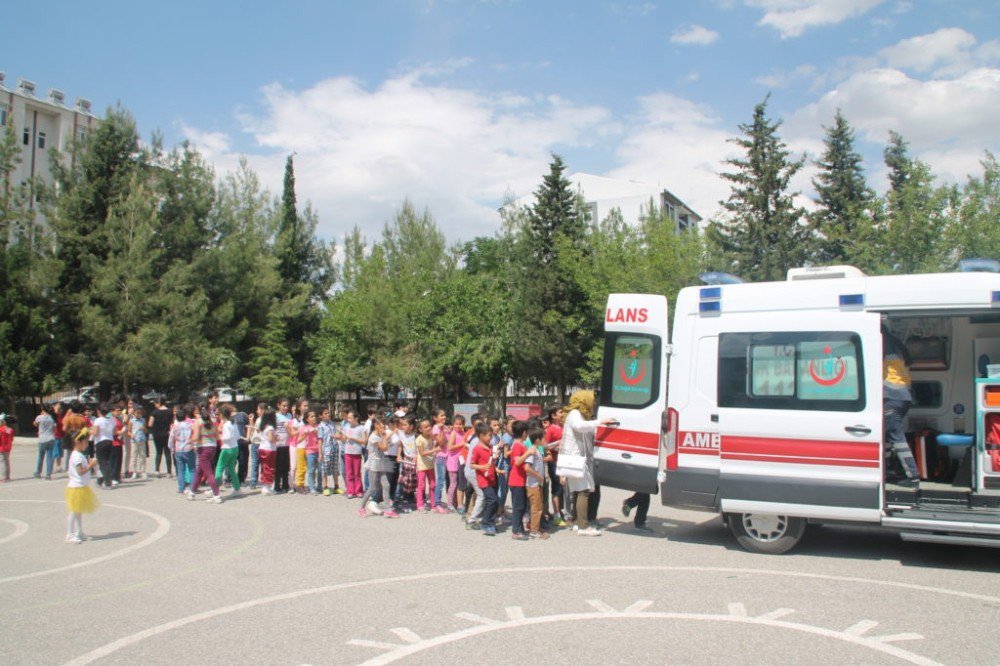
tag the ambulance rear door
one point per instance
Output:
(633, 391)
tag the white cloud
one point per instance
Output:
(680, 146)
(947, 121)
(948, 50)
(783, 79)
(791, 18)
(360, 151)
(694, 35)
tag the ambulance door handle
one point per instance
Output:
(859, 431)
(714, 418)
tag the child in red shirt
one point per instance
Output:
(486, 476)
(516, 479)
(6, 444)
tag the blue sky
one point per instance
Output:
(453, 104)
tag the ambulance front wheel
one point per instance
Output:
(765, 532)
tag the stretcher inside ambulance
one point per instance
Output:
(767, 403)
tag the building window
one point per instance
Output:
(41, 139)
(4, 110)
(26, 137)
(81, 133)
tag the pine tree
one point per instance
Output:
(843, 224)
(761, 236)
(275, 373)
(551, 298)
(915, 214)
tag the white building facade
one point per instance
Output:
(44, 128)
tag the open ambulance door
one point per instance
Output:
(633, 391)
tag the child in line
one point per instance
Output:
(425, 466)
(456, 450)
(6, 444)
(183, 449)
(138, 436)
(80, 497)
(534, 469)
(309, 436)
(354, 437)
(482, 462)
(230, 448)
(516, 479)
(407, 462)
(203, 434)
(379, 468)
(330, 448)
(268, 451)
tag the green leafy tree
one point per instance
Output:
(844, 221)
(974, 227)
(760, 235)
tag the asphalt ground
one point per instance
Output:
(304, 580)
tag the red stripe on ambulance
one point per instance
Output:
(642, 441)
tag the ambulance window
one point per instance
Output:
(791, 370)
(631, 370)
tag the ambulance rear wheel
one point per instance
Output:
(766, 532)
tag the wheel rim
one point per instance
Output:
(765, 527)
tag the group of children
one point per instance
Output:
(394, 462)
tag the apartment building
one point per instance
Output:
(44, 127)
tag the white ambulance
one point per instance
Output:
(771, 412)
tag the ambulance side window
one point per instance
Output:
(791, 370)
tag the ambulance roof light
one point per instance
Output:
(823, 273)
(718, 277)
(979, 266)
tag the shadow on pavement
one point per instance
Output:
(112, 535)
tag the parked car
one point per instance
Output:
(227, 394)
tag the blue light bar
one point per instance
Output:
(852, 301)
(710, 293)
(710, 307)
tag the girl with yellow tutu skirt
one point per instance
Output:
(80, 497)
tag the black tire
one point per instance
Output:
(766, 533)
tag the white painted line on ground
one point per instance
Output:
(397, 652)
(20, 528)
(132, 639)
(162, 527)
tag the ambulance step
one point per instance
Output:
(954, 539)
(965, 524)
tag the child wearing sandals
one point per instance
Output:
(80, 497)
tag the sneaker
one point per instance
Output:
(362, 512)
(590, 531)
(576, 528)
(267, 491)
(439, 509)
(539, 535)
(559, 522)
(190, 495)
(38, 476)
(373, 507)
(520, 536)
(626, 509)
(327, 492)
(215, 499)
(236, 492)
(314, 492)
(73, 538)
(474, 525)
(489, 530)
(390, 514)
(115, 484)
(207, 491)
(338, 491)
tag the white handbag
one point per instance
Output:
(571, 465)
